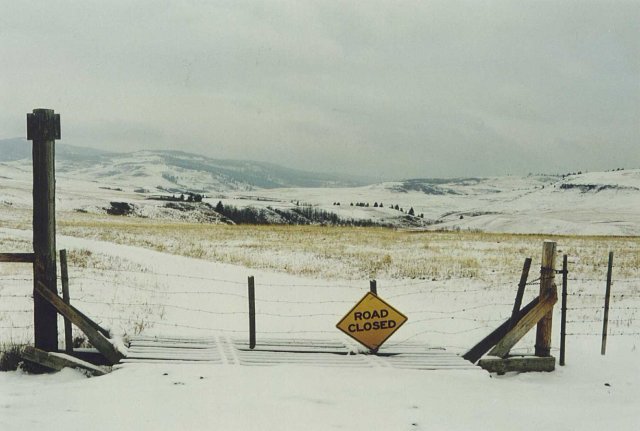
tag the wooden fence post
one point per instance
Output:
(43, 128)
(252, 313)
(86, 325)
(64, 278)
(542, 308)
(17, 257)
(547, 286)
(605, 321)
(373, 287)
(521, 286)
(563, 321)
(499, 333)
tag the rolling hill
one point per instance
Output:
(175, 171)
(159, 184)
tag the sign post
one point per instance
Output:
(371, 321)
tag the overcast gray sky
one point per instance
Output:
(382, 88)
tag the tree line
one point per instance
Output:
(302, 215)
(396, 207)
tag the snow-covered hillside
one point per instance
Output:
(599, 203)
(169, 170)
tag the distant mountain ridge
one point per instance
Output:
(175, 170)
(19, 148)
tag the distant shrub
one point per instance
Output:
(120, 208)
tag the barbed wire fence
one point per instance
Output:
(448, 312)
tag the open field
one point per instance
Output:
(352, 253)
(347, 252)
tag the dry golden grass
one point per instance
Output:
(340, 252)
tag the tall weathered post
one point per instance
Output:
(547, 287)
(43, 128)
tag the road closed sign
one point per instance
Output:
(371, 321)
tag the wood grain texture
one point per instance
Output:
(96, 338)
(547, 275)
(41, 129)
(524, 325)
(58, 361)
(518, 364)
(17, 257)
(495, 336)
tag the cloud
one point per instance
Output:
(390, 89)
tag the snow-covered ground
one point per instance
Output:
(133, 289)
(130, 289)
(592, 393)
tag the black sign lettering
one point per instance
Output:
(372, 326)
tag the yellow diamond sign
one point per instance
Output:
(371, 321)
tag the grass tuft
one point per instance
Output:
(11, 357)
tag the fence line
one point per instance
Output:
(599, 334)
(299, 315)
(425, 287)
(467, 319)
(355, 285)
(601, 295)
(623, 320)
(17, 326)
(175, 325)
(16, 278)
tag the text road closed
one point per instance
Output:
(371, 321)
